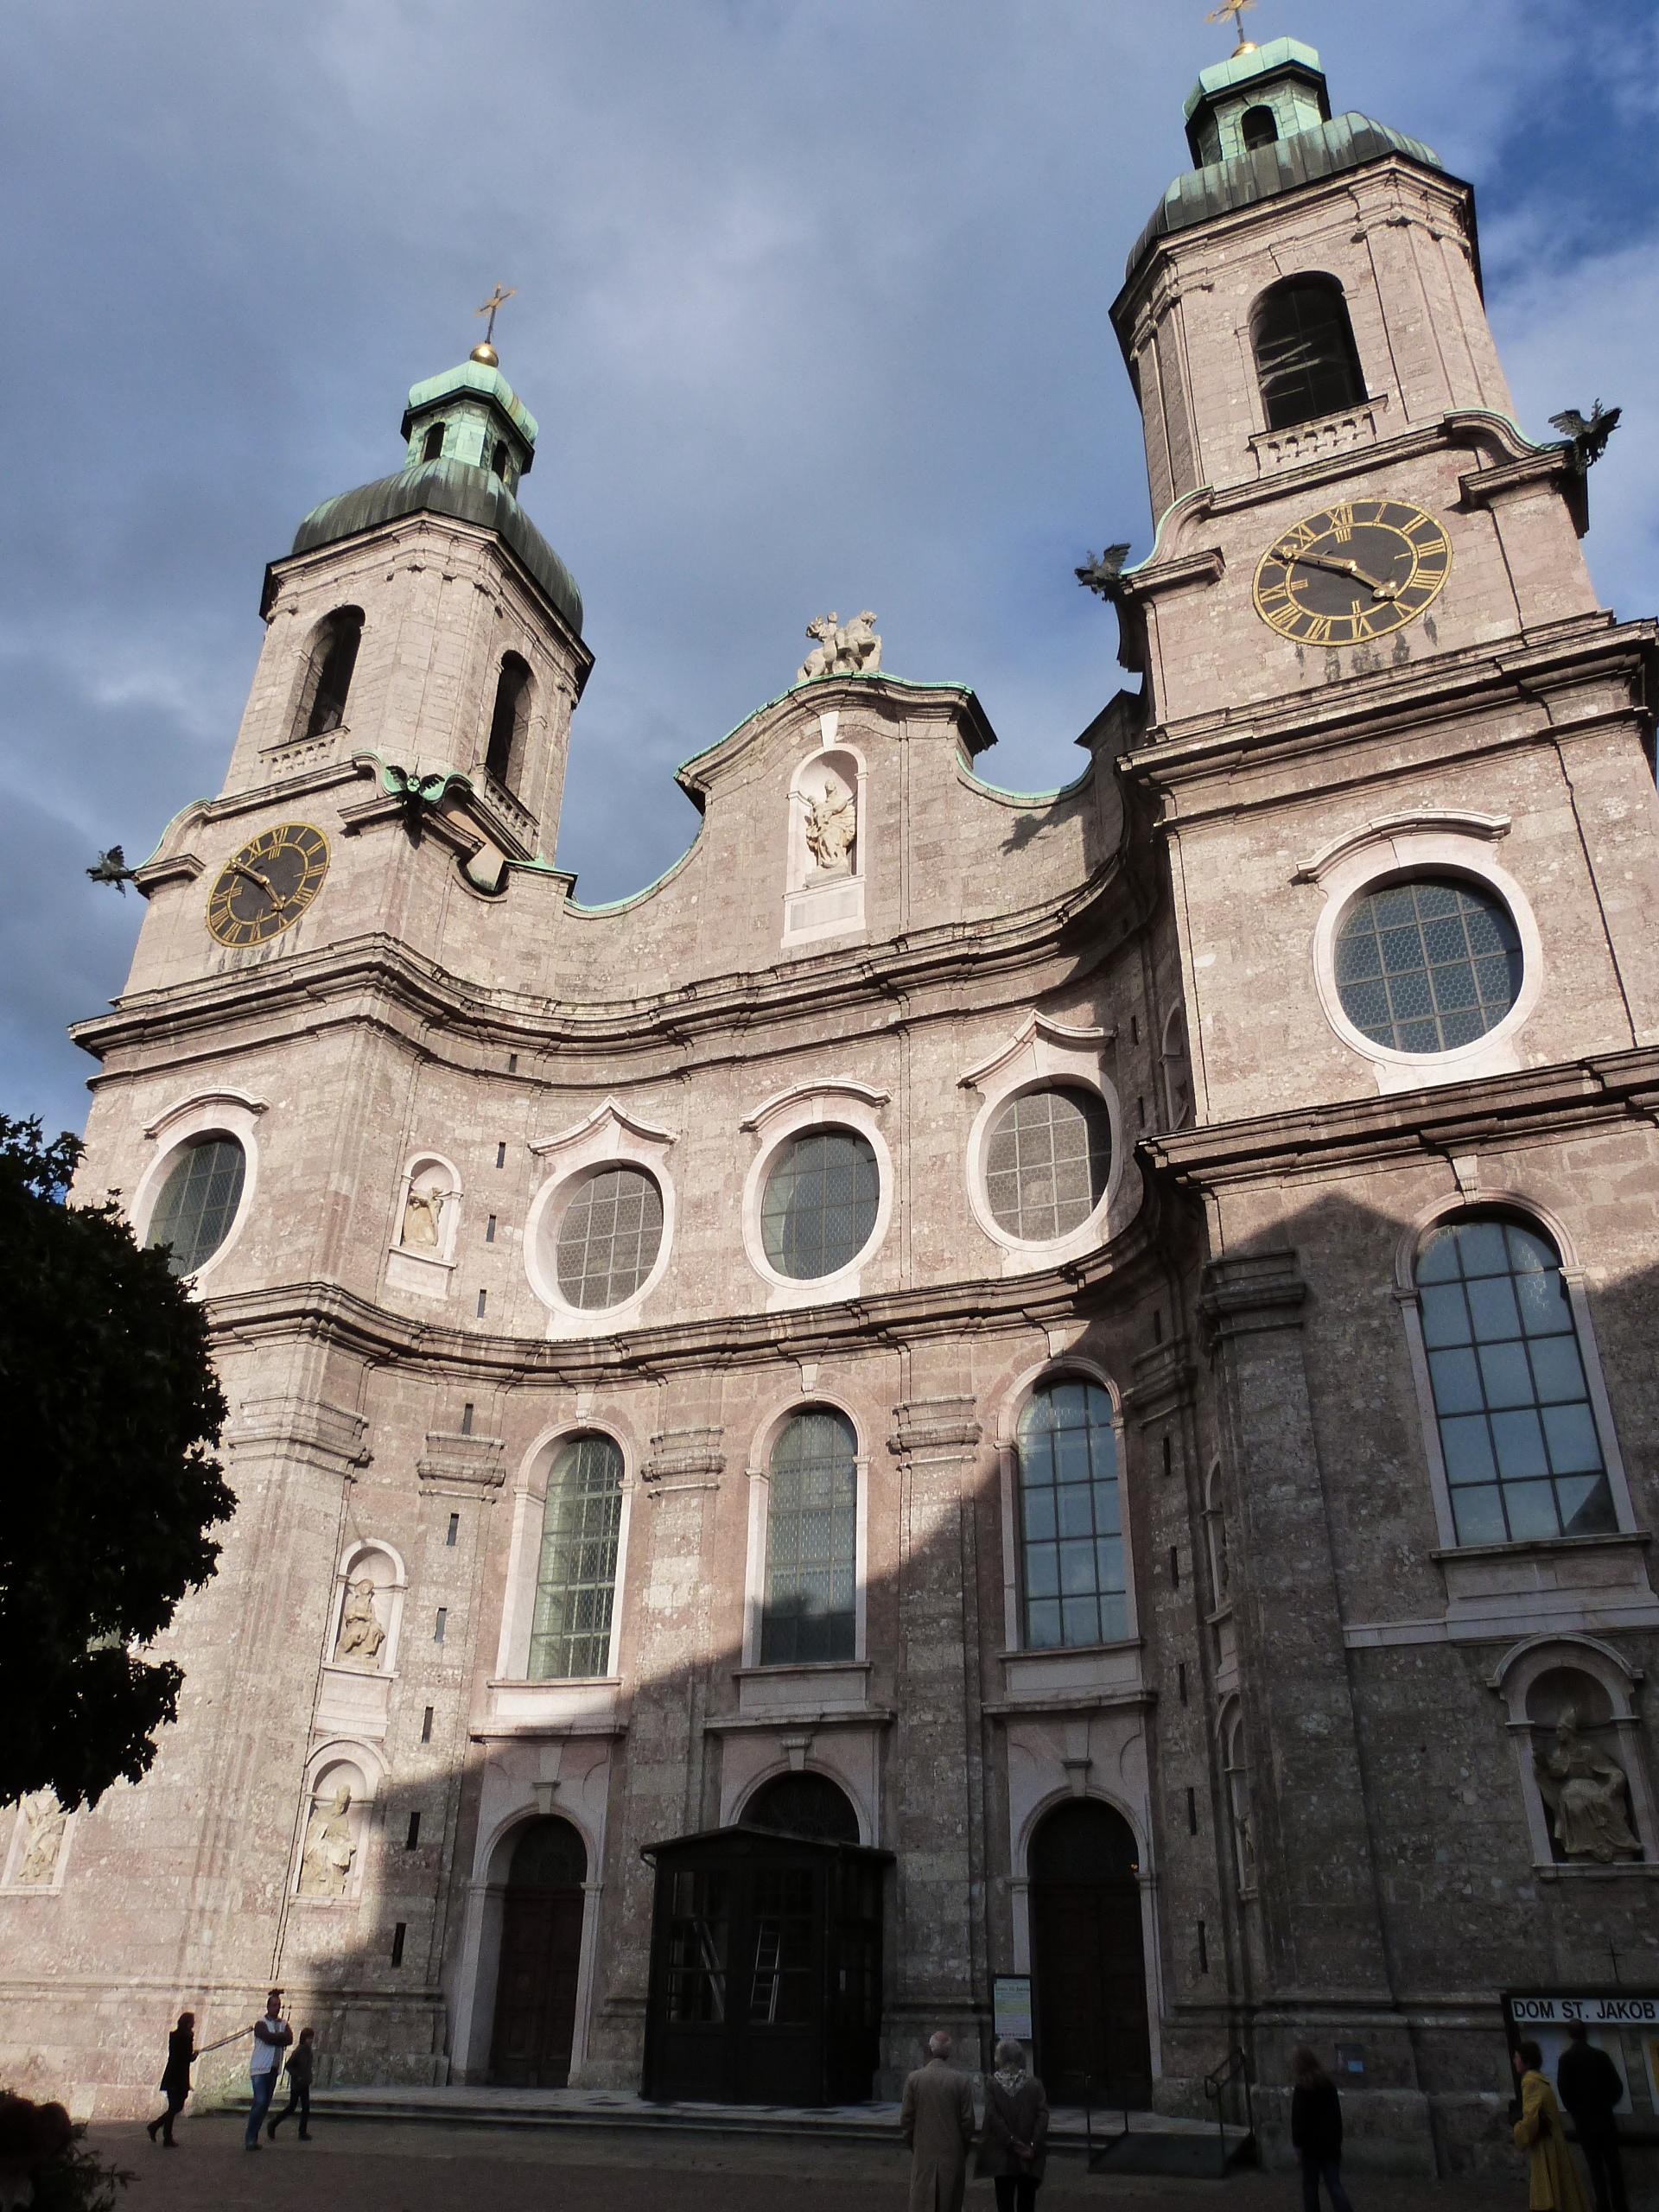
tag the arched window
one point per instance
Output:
(1236, 1775)
(433, 447)
(1074, 1583)
(809, 1609)
(510, 722)
(198, 1202)
(499, 459)
(1257, 126)
(1517, 1431)
(803, 1804)
(328, 678)
(575, 1582)
(1305, 357)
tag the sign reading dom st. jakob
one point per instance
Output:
(1613, 2008)
(1624, 2022)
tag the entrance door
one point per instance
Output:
(541, 1950)
(1088, 1957)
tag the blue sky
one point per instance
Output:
(812, 308)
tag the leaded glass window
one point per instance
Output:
(1517, 1432)
(1074, 1571)
(575, 1582)
(1046, 1161)
(809, 1609)
(199, 1202)
(1428, 965)
(610, 1236)
(1305, 357)
(820, 1204)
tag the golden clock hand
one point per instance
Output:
(1379, 589)
(264, 882)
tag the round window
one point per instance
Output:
(609, 1237)
(1428, 965)
(1046, 1161)
(198, 1203)
(820, 1204)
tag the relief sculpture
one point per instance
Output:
(44, 1824)
(361, 1638)
(831, 824)
(330, 1847)
(1585, 1789)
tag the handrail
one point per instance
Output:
(1234, 2068)
(1090, 2086)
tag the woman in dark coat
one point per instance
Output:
(175, 2078)
(1316, 2132)
(1013, 2145)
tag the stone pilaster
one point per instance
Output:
(937, 1940)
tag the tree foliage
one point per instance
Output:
(113, 1409)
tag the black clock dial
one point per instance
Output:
(1353, 572)
(264, 888)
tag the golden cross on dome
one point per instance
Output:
(498, 298)
(1234, 8)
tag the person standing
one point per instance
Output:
(1316, 2132)
(937, 2120)
(1554, 2178)
(175, 2078)
(271, 2036)
(1013, 2145)
(1593, 2089)
(300, 2061)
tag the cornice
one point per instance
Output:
(1492, 1110)
(715, 1007)
(1421, 697)
(327, 1313)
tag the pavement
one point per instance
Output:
(374, 2166)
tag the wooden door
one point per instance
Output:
(1088, 1957)
(541, 1956)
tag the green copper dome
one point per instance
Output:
(470, 438)
(1260, 124)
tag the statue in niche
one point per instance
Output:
(422, 1217)
(45, 1823)
(842, 648)
(361, 1638)
(1585, 1789)
(831, 824)
(330, 1847)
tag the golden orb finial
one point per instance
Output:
(492, 307)
(1244, 45)
(487, 354)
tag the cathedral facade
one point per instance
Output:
(969, 1392)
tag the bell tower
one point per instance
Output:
(1371, 646)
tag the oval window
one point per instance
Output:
(198, 1202)
(609, 1237)
(1428, 965)
(1046, 1161)
(820, 1204)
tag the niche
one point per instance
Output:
(339, 1800)
(422, 1257)
(828, 844)
(365, 1621)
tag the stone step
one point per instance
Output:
(1151, 2143)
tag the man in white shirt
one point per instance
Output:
(271, 2036)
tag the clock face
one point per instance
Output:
(264, 888)
(1351, 573)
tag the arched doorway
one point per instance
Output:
(540, 1952)
(1089, 1967)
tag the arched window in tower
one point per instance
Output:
(1517, 1427)
(575, 1582)
(1073, 1577)
(1306, 359)
(499, 459)
(810, 1611)
(510, 723)
(433, 447)
(1258, 126)
(328, 674)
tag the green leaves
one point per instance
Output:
(110, 1409)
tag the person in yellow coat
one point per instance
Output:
(1554, 2178)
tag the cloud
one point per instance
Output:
(812, 306)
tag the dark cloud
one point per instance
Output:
(812, 308)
